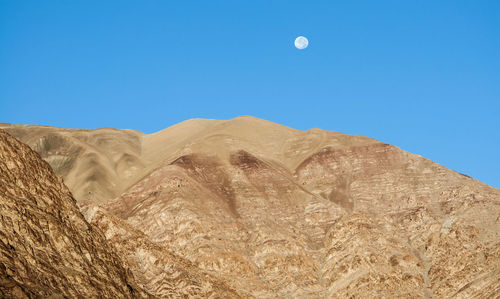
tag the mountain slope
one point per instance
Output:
(47, 249)
(367, 220)
(161, 272)
(99, 165)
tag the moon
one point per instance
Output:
(301, 42)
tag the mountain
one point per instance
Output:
(262, 210)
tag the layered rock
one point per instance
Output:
(161, 272)
(47, 249)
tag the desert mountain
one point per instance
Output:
(271, 211)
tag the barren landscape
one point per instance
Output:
(238, 208)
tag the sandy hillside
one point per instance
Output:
(100, 164)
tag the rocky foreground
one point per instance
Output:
(248, 208)
(47, 248)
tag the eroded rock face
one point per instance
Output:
(281, 239)
(445, 221)
(47, 249)
(162, 273)
(262, 210)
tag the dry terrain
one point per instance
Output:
(47, 248)
(250, 208)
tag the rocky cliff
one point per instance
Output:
(47, 249)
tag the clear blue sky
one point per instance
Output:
(422, 75)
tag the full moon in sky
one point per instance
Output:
(301, 42)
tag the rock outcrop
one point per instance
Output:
(163, 273)
(47, 249)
